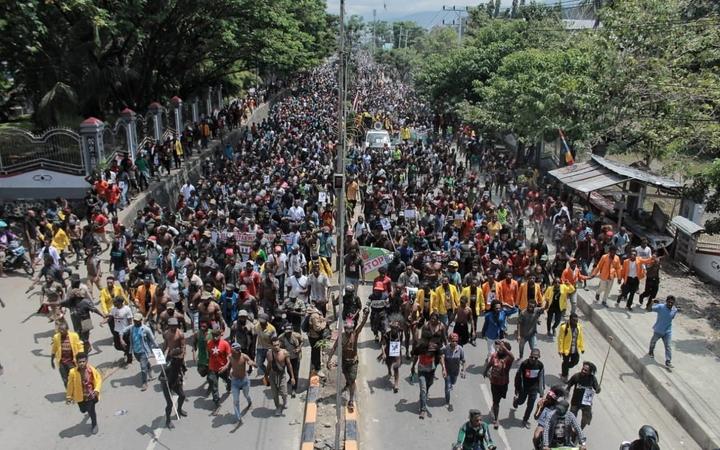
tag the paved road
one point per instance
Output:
(34, 414)
(390, 420)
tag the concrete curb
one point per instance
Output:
(308, 429)
(677, 408)
(351, 430)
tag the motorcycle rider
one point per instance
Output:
(6, 236)
(648, 440)
(474, 434)
(563, 429)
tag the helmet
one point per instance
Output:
(562, 407)
(648, 434)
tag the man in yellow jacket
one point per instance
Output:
(556, 299)
(570, 344)
(478, 306)
(446, 301)
(83, 388)
(64, 350)
(109, 292)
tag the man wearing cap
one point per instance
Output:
(239, 380)
(242, 332)
(218, 363)
(349, 339)
(174, 348)
(209, 311)
(250, 278)
(169, 313)
(296, 261)
(265, 332)
(247, 302)
(229, 303)
(292, 342)
(141, 342)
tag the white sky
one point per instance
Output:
(398, 8)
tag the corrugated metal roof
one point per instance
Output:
(640, 175)
(686, 225)
(587, 177)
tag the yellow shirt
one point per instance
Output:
(76, 345)
(106, 297)
(60, 240)
(480, 305)
(441, 304)
(75, 387)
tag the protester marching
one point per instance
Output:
(460, 245)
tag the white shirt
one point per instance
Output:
(297, 287)
(122, 316)
(643, 252)
(295, 263)
(173, 290)
(186, 189)
(632, 269)
(296, 213)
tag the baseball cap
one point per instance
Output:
(242, 313)
(138, 317)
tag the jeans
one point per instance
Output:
(295, 362)
(213, 381)
(260, 356)
(178, 389)
(569, 361)
(532, 340)
(144, 366)
(237, 385)
(444, 319)
(604, 289)
(450, 381)
(531, 398)
(667, 339)
(426, 379)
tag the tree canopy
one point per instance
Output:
(104, 55)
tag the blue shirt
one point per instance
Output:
(137, 342)
(665, 315)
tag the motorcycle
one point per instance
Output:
(378, 313)
(17, 258)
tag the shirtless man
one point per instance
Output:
(350, 355)
(209, 311)
(463, 315)
(169, 313)
(174, 347)
(239, 380)
(277, 362)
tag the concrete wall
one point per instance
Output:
(42, 184)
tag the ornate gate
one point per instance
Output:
(57, 149)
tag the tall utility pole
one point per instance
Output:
(460, 14)
(373, 30)
(339, 181)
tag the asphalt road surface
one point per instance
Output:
(390, 420)
(34, 413)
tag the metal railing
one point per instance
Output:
(57, 148)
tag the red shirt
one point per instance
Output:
(218, 351)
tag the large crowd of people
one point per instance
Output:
(239, 267)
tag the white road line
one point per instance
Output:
(488, 400)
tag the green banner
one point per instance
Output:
(374, 258)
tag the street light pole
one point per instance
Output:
(340, 223)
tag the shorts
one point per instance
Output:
(499, 391)
(2, 256)
(350, 370)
